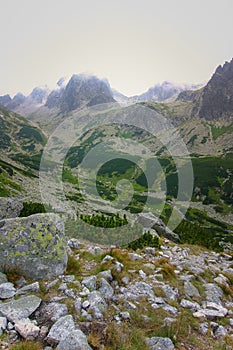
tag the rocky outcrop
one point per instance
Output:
(10, 208)
(34, 245)
(82, 90)
(217, 96)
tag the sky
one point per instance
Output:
(133, 43)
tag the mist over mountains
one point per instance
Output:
(85, 90)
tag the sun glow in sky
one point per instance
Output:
(134, 44)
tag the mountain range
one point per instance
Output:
(84, 90)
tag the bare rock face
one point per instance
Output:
(34, 245)
(9, 208)
(217, 96)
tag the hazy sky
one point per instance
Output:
(133, 43)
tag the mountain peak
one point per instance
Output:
(217, 97)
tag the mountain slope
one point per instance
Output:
(21, 144)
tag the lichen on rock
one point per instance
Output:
(34, 245)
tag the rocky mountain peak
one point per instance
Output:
(217, 96)
(39, 94)
(83, 89)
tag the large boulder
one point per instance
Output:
(21, 308)
(33, 245)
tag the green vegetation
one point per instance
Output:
(67, 176)
(213, 177)
(26, 345)
(30, 208)
(31, 133)
(119, 235)
(100, 220)
(73, 266)
(32, 161)
(7, 185)
(218, 131)
(146, 240)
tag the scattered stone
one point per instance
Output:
(142, 274)
(85, 304)
(220, 332)
(53, 312)
(134, 256)
(27, 329)
(125, 280)
(74, 340)
(68, 278)
(129, 305)
(105, 289)
(90, 282)
(171, 293)
(61, 329)
(78, 304)
(97, 303)
(31, 288)
(149, 266)
(124, 315)
(213, 293)
(150, 250)
(203, 328)
(3, 323)
(222, 280)
(118, 266)
(20, 308)
(191, 290)
(158, 343)
(3, 278)
(95, 250)
(107, 274)
(186, 304)
(107, 258)
(7, 290)
(73, 243)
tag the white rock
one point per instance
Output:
(27, 329)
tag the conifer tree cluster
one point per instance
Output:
(106, 221)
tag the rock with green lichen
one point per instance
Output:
(34, 246)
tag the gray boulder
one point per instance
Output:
(158, 343)
(3, 278)
(61, 329)
(33, 244)
(7, 290)
(75, 340)
(30, 288)
(106, 290)
(213, 293)
(21, 308)
(90, 282)
(191, 290)
(53, 312)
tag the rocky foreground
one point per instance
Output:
(175, 297)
